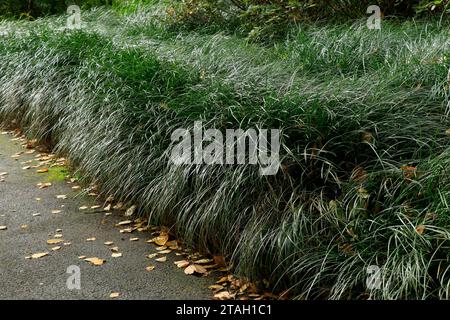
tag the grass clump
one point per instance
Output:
(365, 147)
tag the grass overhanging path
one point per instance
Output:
(365, 144)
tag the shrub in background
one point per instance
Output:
(268, 19)
(32, 9)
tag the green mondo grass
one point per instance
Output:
(365, 149)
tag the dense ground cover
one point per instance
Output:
(365, 141)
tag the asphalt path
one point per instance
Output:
(30, 222)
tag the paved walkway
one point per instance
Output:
(30, 223)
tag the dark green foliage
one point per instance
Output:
(269, 19)
(31, 9)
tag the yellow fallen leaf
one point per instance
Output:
(162, 259)
(44, 170)
(189, 270)
(151, 256)
(116, 255)
(114, 249)
(165, 251)
(114, 295)
(200, 269)
(91, 239)
(150, 268)
(95, 207)
(54, 241)
(162, 239)
(161, 248)
(82, 257)
(56, 211)
(95, 261)
(39, 255)
(182, 263)
(56, 248)
(61, 196)
(3, 227)
(125, 222)
(134, 239)
(83, 208)
(224, 295)
(108, 243)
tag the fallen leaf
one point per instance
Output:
(165, 251)
(61, 196)
(39, 255)
(152, 255)
(216, 287)
(122, 223)
(200, 269)
(82, 257)
(220, 261)
(108, 243)
(203, 261)
(3, 227)
(44, 170)
(54, 241)
(56, 211)
(83, 208)
(56, 248)
(420, 229)
(114, 295)
(130, 211)
(43, 186)
(162, 239)
(134, 239)
(190, 269)
(114, 249)
(95, 261)
(150, 268)
(224, 295)
(116, 255)
(182, 263)
(91, 239)
(162, 259)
